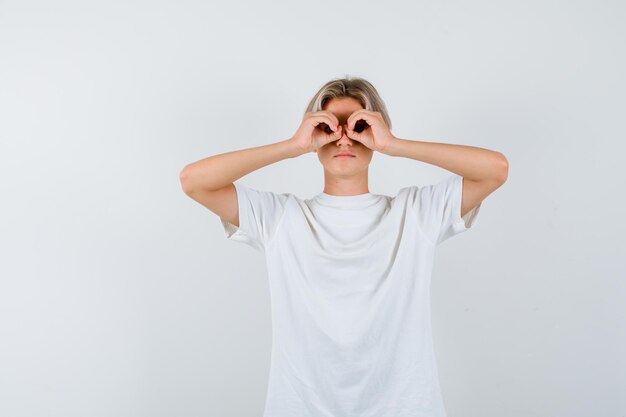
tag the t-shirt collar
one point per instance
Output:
(358, 200)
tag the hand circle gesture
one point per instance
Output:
(373, 132)
(322, 127)
(316, 130)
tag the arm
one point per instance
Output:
(209, 180)
(483, 170)
(218, 171)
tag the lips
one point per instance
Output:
(345, 154)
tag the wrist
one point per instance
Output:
(293, 150)
(392, 147)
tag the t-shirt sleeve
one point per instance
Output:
(438, 208)
(259, 215)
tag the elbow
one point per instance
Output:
(503, 169)
(184, 178)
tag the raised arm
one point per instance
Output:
(483, 170)
(209, 181)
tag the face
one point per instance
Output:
(342, 108)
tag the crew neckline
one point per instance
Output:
(346, 200)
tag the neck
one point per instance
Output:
(349, 185)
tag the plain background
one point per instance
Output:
(120, 296)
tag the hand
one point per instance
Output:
(376, 136)
(316, 130)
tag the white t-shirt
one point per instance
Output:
(349, 280)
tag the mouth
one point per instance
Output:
(344, 155)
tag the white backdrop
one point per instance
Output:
(120, 296)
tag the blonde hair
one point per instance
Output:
(355, 87)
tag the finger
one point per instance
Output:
(332, 121)
(328, 118)
(352, 134)
(318, 119)
(349, 120)
(329, 138)
(333, 117)
(361, 114)
(356, 116)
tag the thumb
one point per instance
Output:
(352, 134)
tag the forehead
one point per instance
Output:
(343, 107)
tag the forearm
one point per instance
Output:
(467, 161)
(220, 170)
